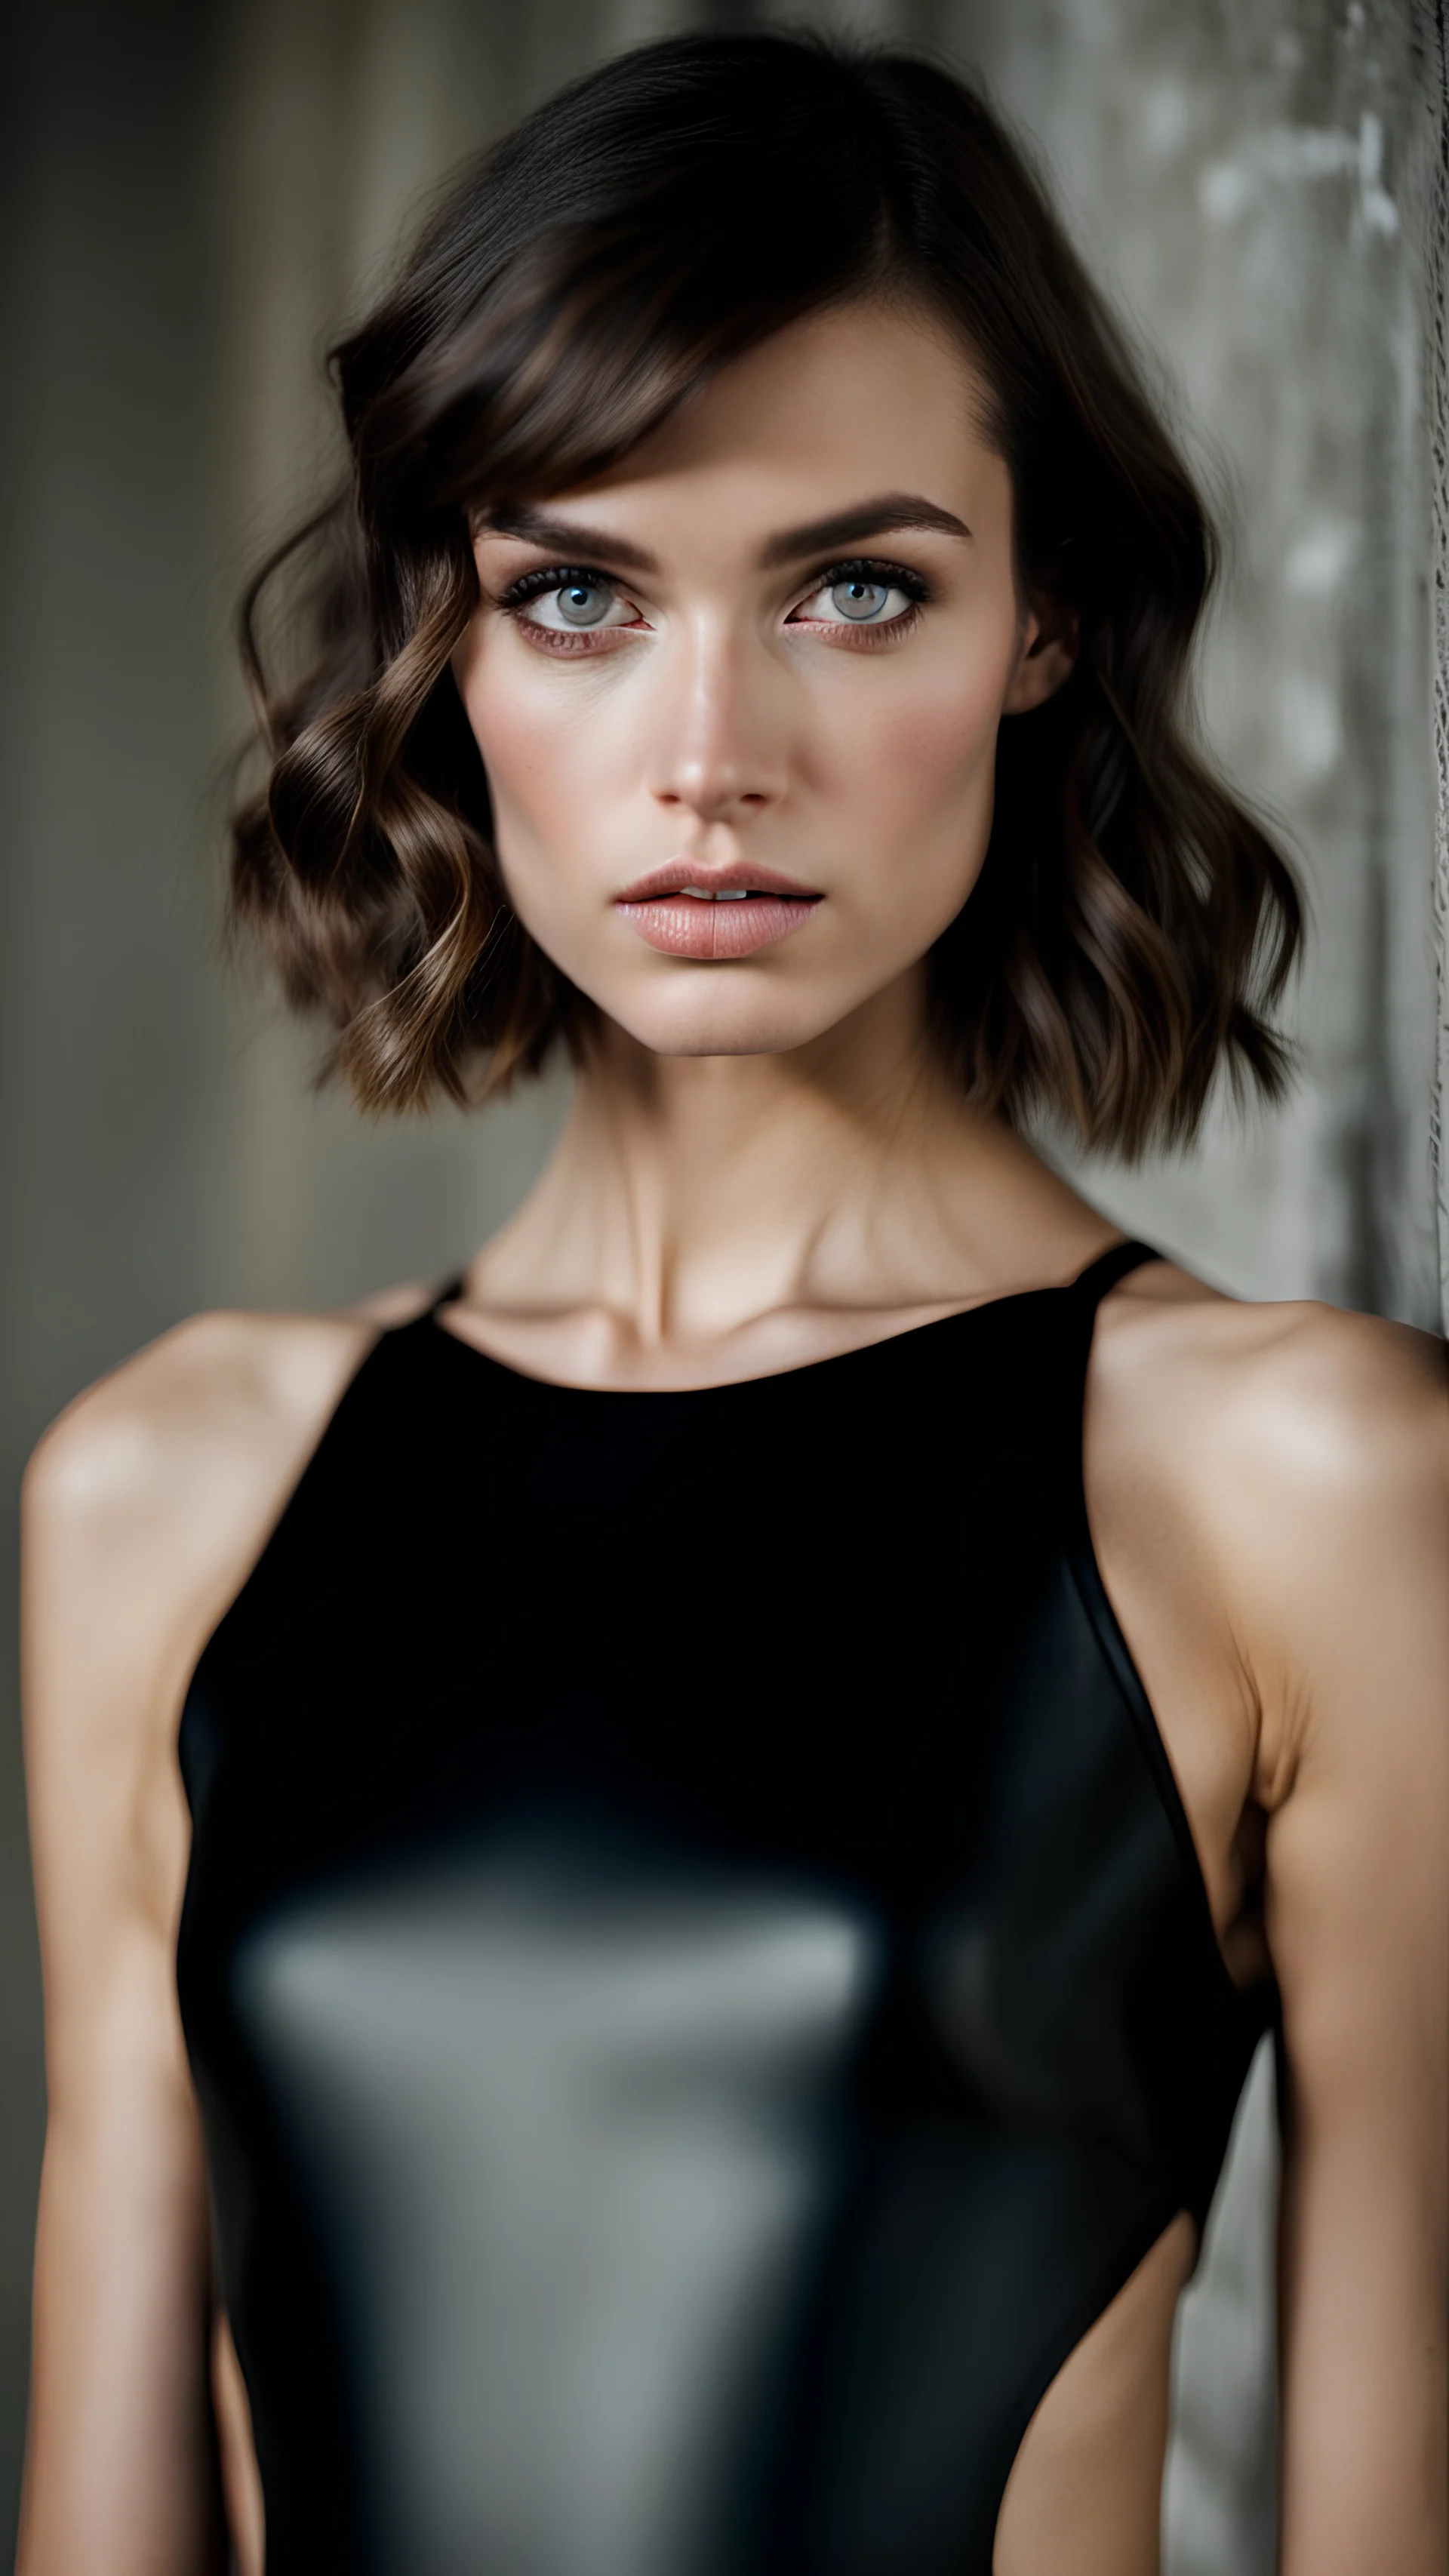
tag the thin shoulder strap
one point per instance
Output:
(448, 1294)
(422, 1316)
(1117, 1262)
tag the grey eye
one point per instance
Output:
(583, 603)
(859, 600)
(853, 599)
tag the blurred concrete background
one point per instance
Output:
(196, 193)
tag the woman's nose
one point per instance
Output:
(719, 751)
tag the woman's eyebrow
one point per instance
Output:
(566, 537)
(887, 514)
(878, 518)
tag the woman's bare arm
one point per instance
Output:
(1344, 1581)
(143, 1509)
(1270, 1491)
(1299, 1461)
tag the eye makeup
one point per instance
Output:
(547, 577)
(543, 581)
(865, 573)
(871, 568)
(575, 634)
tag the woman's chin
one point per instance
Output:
(724, 1016)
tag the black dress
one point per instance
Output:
(695, 1967)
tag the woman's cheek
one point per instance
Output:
(929, 761)
(561, 753)
(537, 772)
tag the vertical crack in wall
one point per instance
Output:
(1434, 37)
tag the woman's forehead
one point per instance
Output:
(824, 421)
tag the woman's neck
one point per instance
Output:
(690, 1197)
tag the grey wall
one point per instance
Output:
(196, 194)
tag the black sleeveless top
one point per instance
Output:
(695, 1968)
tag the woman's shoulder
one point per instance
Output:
(225, 1374)
(218, 1390)
(1304, 1392)
(1285, 1466)
(150, 1497)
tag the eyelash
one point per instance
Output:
(872, 568)
(895, 576)
(548, 577)
(533, 585)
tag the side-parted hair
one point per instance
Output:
(1132, 925)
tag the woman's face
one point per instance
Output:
(738, 698)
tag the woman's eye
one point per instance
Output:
(578, 606)
(857, 599)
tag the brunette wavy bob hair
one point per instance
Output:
(1133, 923)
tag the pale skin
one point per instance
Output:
(765, 1166)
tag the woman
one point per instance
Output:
(729, 1856)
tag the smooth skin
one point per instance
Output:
(764, 1166)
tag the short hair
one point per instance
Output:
(1133, 923)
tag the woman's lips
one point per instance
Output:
(716, 913)
(721, 926)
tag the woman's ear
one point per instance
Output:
(1049, 639)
